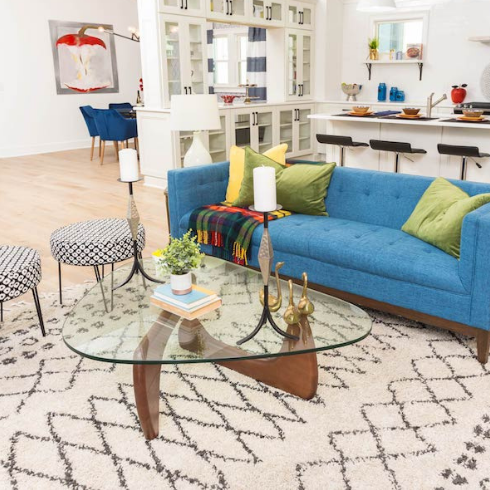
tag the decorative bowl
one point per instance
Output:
(472, 113)
(413, 52)
(351, 90)
(228, 99)
(360, 109)
(411, 111)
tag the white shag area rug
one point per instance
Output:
(407, 408)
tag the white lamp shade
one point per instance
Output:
(194, 113)
(376, 5)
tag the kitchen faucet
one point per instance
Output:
(431, 104)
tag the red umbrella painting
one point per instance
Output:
(84, 59)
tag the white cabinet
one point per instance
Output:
(184, 52)
(293, 127)
(300, 15)
(230, 11)
(299, 54)
(254, 128)
(194, 8)
(268, 13)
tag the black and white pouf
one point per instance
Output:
(94, 243)
(20, 272)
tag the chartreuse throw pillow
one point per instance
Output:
(237, 164)
(438, 217)
(301, 188)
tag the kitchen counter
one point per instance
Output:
(406, 122)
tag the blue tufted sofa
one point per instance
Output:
(359, 252)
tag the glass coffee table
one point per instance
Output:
(124, 327)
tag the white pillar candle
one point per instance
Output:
(265, 189)
(128, 165)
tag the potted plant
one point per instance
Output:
(178, 258)
(373, 48)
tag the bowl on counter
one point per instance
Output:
(410, 111)
(476, 113)
(351, 90)
(360, 109)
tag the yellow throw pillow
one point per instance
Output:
(237, 165)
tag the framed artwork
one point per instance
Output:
(84, 57)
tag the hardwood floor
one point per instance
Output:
(40, 193)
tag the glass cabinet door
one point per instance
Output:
(263, 126)
(218, 6)
(172, 46)
(217, 142)
(182, 7)
(259, 10)
(292, 47)
(306, 65)
(275, 12)
(197, 61)
(286, 128)
(237, 7)
(293, 14)
(243, 131)
(304, 130)
(307, 16)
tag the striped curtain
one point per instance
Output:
(257, 62)
(210, 54)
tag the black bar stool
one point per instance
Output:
(397, 147)
(464, 152)
(340, 141)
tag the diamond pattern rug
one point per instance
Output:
(407, 408)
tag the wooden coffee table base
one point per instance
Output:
(293, 373)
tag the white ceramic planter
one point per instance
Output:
(181, 284)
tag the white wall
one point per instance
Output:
(449, 57)
(33, 118)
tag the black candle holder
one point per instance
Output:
(133, 218)
(266, 258)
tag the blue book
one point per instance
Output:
(196, 298)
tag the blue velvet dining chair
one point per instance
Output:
(122, 105)
(89, 116)
(114, 127)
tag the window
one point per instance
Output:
(398, 35)
(221, 61)
(230, 57)
(405, 33)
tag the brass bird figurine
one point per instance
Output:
(291, 315)
(305, 306)
(274, 303)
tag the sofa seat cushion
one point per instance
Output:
(370, 248)
(365, 247)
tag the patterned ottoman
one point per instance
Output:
(94, 243)
(20, 271)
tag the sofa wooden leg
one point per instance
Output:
(483, 345)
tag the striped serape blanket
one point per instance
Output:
(228, 229)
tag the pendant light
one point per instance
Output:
(376, 5)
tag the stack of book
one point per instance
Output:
(190, 306)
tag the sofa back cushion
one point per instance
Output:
(381, 198)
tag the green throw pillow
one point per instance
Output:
(438, 217)
(301, 188)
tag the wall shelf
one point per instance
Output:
(370, 63)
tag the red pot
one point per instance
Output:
(458, 93)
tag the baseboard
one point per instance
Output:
(157, 182)
(45, 148)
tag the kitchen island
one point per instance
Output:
(424, 134)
